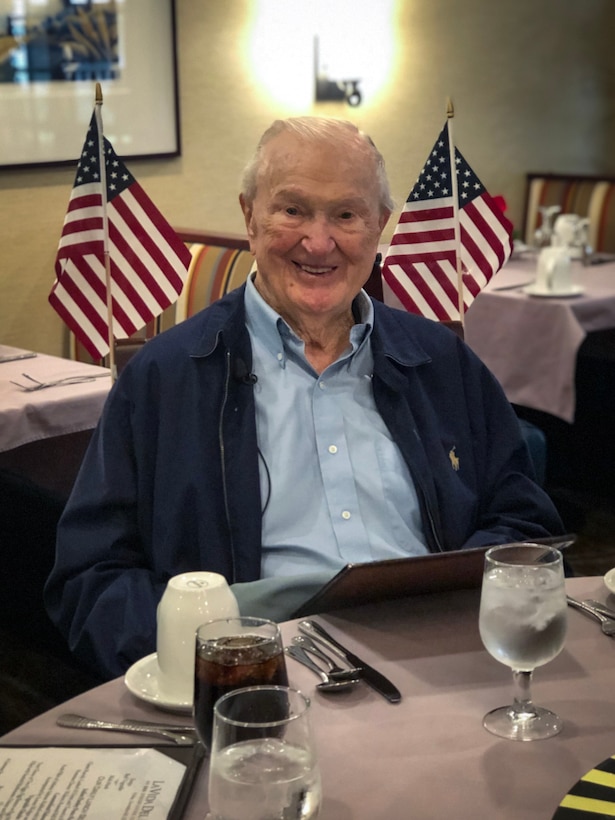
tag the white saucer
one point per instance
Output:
(532, 290)
(609, 580)
(142, 680)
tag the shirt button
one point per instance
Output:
(322, 385)
(280, 356)
(346, 515)
(332, 449)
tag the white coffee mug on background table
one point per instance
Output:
(189, 600)
(554, 272)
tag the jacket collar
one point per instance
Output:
(226, 324)
(392, 335)
(395, 337)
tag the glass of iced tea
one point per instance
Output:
(232, 653)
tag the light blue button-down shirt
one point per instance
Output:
(335, 488)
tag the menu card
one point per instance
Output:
(88, 783)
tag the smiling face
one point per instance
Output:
(314, 225)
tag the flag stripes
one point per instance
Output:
(147, 260)
(420, 266)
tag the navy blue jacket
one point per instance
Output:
(170, 482)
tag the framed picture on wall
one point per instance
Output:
(52, 54)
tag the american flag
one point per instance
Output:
(420, 266)
(148, 261)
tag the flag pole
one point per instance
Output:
(103, 197)
(450, 113)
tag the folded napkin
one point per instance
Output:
(277, 598)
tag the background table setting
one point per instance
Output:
(48, 408)
(427, 755)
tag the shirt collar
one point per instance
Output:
(273, 331)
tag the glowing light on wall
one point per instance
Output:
(355, 37)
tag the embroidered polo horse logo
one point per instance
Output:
(454, 459)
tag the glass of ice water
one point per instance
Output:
(522, 624)
(263, 759)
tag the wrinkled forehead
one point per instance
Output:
(347, 159)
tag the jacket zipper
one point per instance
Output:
(223, 460)
(434, 532)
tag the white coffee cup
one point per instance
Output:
(554, 273)
(189, 600)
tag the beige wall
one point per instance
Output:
(533, 84)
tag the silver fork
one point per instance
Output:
(42, 385)
(606, 624)
(310, 646)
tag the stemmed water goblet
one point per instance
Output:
(522, 624)
(544, 233)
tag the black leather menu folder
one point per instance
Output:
(393, 578)
(375, 581)
(23, 789)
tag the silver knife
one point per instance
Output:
(513, 287)
(80, 722)
(371, 676)
(17, 357)
(181, 728)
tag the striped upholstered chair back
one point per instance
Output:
(587, 196)
(214, 271)
(220, 263)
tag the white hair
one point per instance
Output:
(316, 128)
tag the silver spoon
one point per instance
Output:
(328, 684)
(605, 610)
(606, 624)
(335, 672)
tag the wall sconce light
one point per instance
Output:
(328, 89)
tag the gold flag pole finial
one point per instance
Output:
(99, 98)
(450, 111)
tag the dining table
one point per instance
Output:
(44, 430)
(427, 757)
(531, 341)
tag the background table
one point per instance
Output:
(531, 343)
(43, 434)
(427, 757)
(555, 359)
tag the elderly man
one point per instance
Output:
(290, 428)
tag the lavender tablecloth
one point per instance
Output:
(54, 411)
(531, 343)
(427, 757)
(43, 434)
